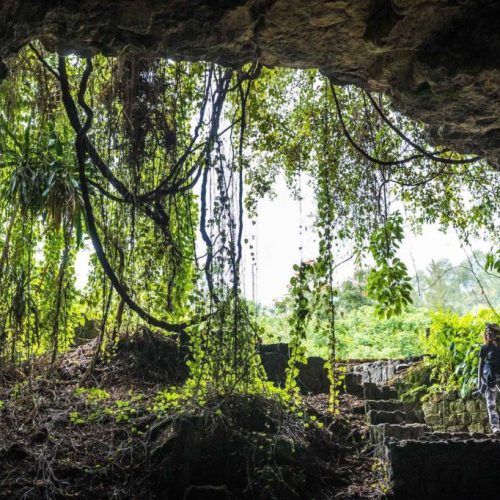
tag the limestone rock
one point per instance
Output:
(436, 59)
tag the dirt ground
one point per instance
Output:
(65, 433)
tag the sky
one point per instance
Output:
(276, 239)
(278, 243)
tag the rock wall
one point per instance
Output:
(454, 414)
(380, 371)
(313, 375)
(437, 59)
(444, 469)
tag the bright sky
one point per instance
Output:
(278, 242)
(277, 245)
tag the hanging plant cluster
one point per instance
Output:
(154, 163)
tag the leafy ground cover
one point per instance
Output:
(122, 435)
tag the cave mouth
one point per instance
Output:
(160, 166)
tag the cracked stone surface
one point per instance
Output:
(438, 60)
(444, 469)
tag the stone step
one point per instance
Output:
(353, 378)
(380, 432)
(380, 371)
(372, 391)
(445, 436)
(353, 384)
(443, 469)
(355, 390)
(384, 405)
(375, 417)
(359, 410)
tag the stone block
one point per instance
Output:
(477, 427)
(457, 406)
(452, 469)
(450, 419)
(274, 359)
(313, 377)
(371, 391)
(413, 412)
(430, 408)
(379, 432)
(478, 435)
(385, 405)
(471, 406)
(434, 419)
(457, 428)
(389, 392)
(353, 384)
(464, 418)
(386, 417)
(377, 372)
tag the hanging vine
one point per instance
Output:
(157, 164)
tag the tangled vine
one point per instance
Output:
(156, 163)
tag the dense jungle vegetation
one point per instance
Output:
(442, 289)
(148, 383)
(158, 164)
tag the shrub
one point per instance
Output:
(454, 343)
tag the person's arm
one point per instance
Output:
(480, 368)
(480, 372)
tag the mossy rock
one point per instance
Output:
(414, 383)
(472, 406)
(457, 406)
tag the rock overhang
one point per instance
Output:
(438, 60)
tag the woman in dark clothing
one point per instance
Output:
(489, 372)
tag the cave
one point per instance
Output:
(143, 136)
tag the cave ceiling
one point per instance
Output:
(438, 60)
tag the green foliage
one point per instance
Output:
(360, 332)
(223, 351)
(92, 394)
(454, 343)
(389, 284)
(311, 299)
(41, 218)
(99, 406)
(76, 418)
(414, 383)
(122, 411)
(169, 400)
(493, 261)
(302, 297)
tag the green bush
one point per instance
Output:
(363, 334)
(454, 343)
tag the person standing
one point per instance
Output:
(488, 377)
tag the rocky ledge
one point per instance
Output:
(438, 60)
